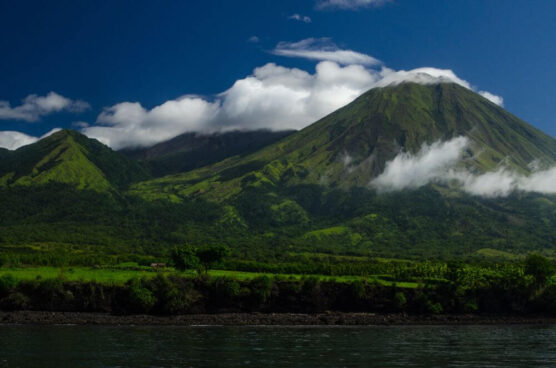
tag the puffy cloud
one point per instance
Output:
(440, 163)
(349, 4)
(129, 124)
(13, 140)
(300, 18)
(428, 165)
(34, 107)
(272, 97)
(323, 49)
(279, 98)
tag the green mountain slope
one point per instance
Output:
(299, 193)
(352, 145)
(306, 192)
(70, 158)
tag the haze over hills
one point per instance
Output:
(193, 150)
(320, 189)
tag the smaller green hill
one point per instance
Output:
(69, 157)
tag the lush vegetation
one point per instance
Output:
(507, 288)
(260, 223)
(301, 193)
(374, 285)
(292, 226)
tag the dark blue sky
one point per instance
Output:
(106, 52)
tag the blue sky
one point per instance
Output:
(125, 66)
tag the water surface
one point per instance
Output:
(396, 346)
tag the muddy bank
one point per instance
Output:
(252, 319)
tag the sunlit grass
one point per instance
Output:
(120, 276)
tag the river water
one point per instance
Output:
(396, 346)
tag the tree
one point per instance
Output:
(541, 268)
(209, 256)
(185, 258)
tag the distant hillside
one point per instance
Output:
(307, 191)
(353, 144)
(4, 153)
(71, 158)
(193, 150)
(311, 190)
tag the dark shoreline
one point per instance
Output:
(271, 319)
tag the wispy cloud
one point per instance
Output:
(430, 164)
(440, 163)
(33, 107)
(349, 4)
(492, 97)
(300, 18)
(323, 49)
(253, 39)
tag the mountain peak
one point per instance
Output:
(69, 157)
(351, 146)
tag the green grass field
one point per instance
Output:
(120, 276)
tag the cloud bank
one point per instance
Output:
(13, 140)
(33, 107)
(349, 4)
(439, 163)
(272, 97)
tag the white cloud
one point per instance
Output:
(253, 39)
(34, 107)
(493, 98)
(272, 97)
(440, 163)
(349, 4)
(13, 140)
(420, 75)
(426, 166)
(300, 18)
(323, 49)
(429, 76)
(130, 124)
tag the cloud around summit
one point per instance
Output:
(271, 97)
